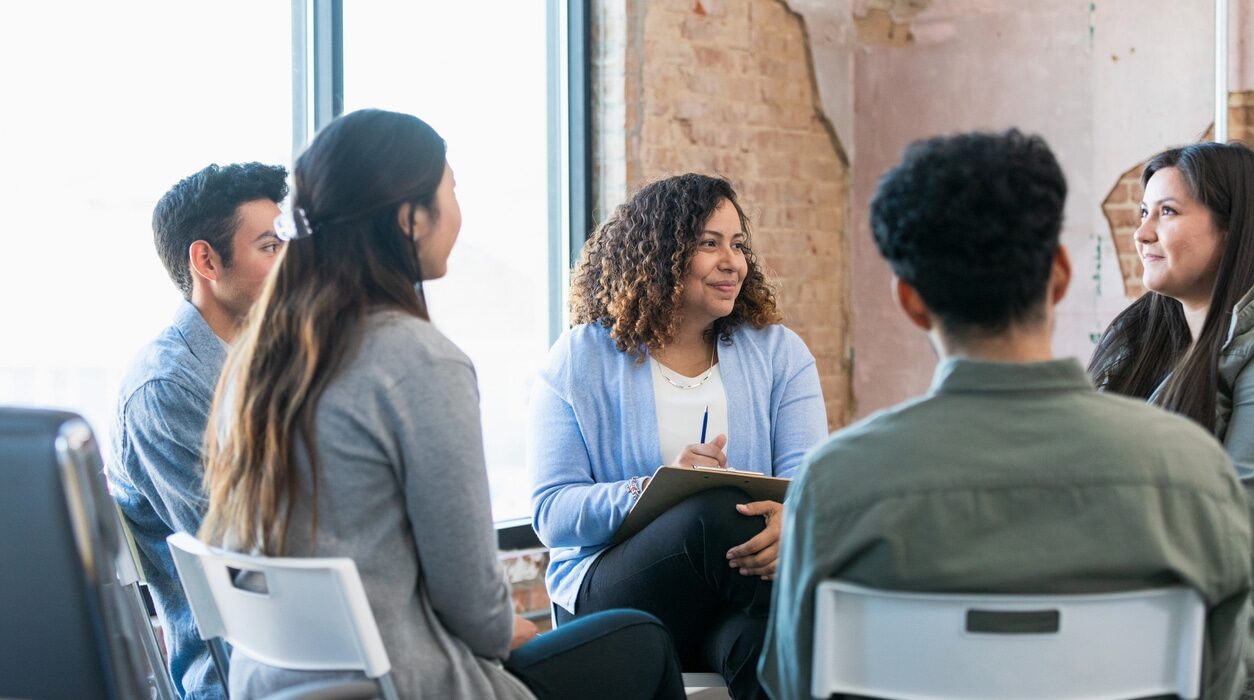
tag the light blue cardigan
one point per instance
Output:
(593, 426)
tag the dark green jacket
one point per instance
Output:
(1015, 478)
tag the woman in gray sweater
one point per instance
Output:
(347, 425)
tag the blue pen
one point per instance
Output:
(705, 421)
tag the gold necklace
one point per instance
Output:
(699, 381)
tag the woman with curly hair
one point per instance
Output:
(675, 327)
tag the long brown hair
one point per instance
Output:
(630, 276)
(1150, 339)
(350, 184)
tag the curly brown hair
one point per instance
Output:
(630, 276)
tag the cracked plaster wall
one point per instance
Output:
(1107, 83)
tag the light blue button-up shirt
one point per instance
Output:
(155, 469)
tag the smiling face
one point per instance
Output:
(717, 268)
(1178, 241)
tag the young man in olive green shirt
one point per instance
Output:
(1012, 474)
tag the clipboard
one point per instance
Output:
(671, 485)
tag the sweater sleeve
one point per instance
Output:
(570, 508)
(445, 484)
(800, 417)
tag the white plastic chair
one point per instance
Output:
(313, 614)
(698, 680)
(923, 646)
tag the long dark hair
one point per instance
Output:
(630, 276)
(1150, 339)
(350, 183)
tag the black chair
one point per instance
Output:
(68, 627)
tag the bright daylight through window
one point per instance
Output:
(82, 285)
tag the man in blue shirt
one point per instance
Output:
(214, 232)
(1012, 474)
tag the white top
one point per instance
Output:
(679, 411)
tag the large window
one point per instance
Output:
(484, 85)
(107, 105)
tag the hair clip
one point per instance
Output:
(291, 225)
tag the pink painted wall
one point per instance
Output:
(1106, 84)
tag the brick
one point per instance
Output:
(726, 88)
(1124, 243)
(1118, 196)
(1124, 217)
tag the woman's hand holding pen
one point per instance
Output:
(704, 454)
(759, 555)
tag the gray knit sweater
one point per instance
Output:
(403, 491)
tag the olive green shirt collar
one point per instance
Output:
(956, 375)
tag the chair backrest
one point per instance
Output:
(302, 614)
(70, 629)
(917, 646)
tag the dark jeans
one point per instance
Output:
(676, 568)
(615, 654)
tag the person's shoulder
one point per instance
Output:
(583, 356)
(167, 361)
(1147, 425)
(1241, 328)
(164, 399)
(1238, 346)
(395, 338)
(586, 336)
(875, 433)
(848, 467)
(770, 334)
(1118, 413)
(1163, 446)
(585, 343)
(776, 342)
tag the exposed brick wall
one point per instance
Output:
(1122, 205)
(726, 87)
(1123, 214)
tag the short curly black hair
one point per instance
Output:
(972, 222)
(205, 207)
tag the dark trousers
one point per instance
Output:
(676, 569)
(615, 654)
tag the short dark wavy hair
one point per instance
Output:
(972, 222)
(629, 278)
(204, 207)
